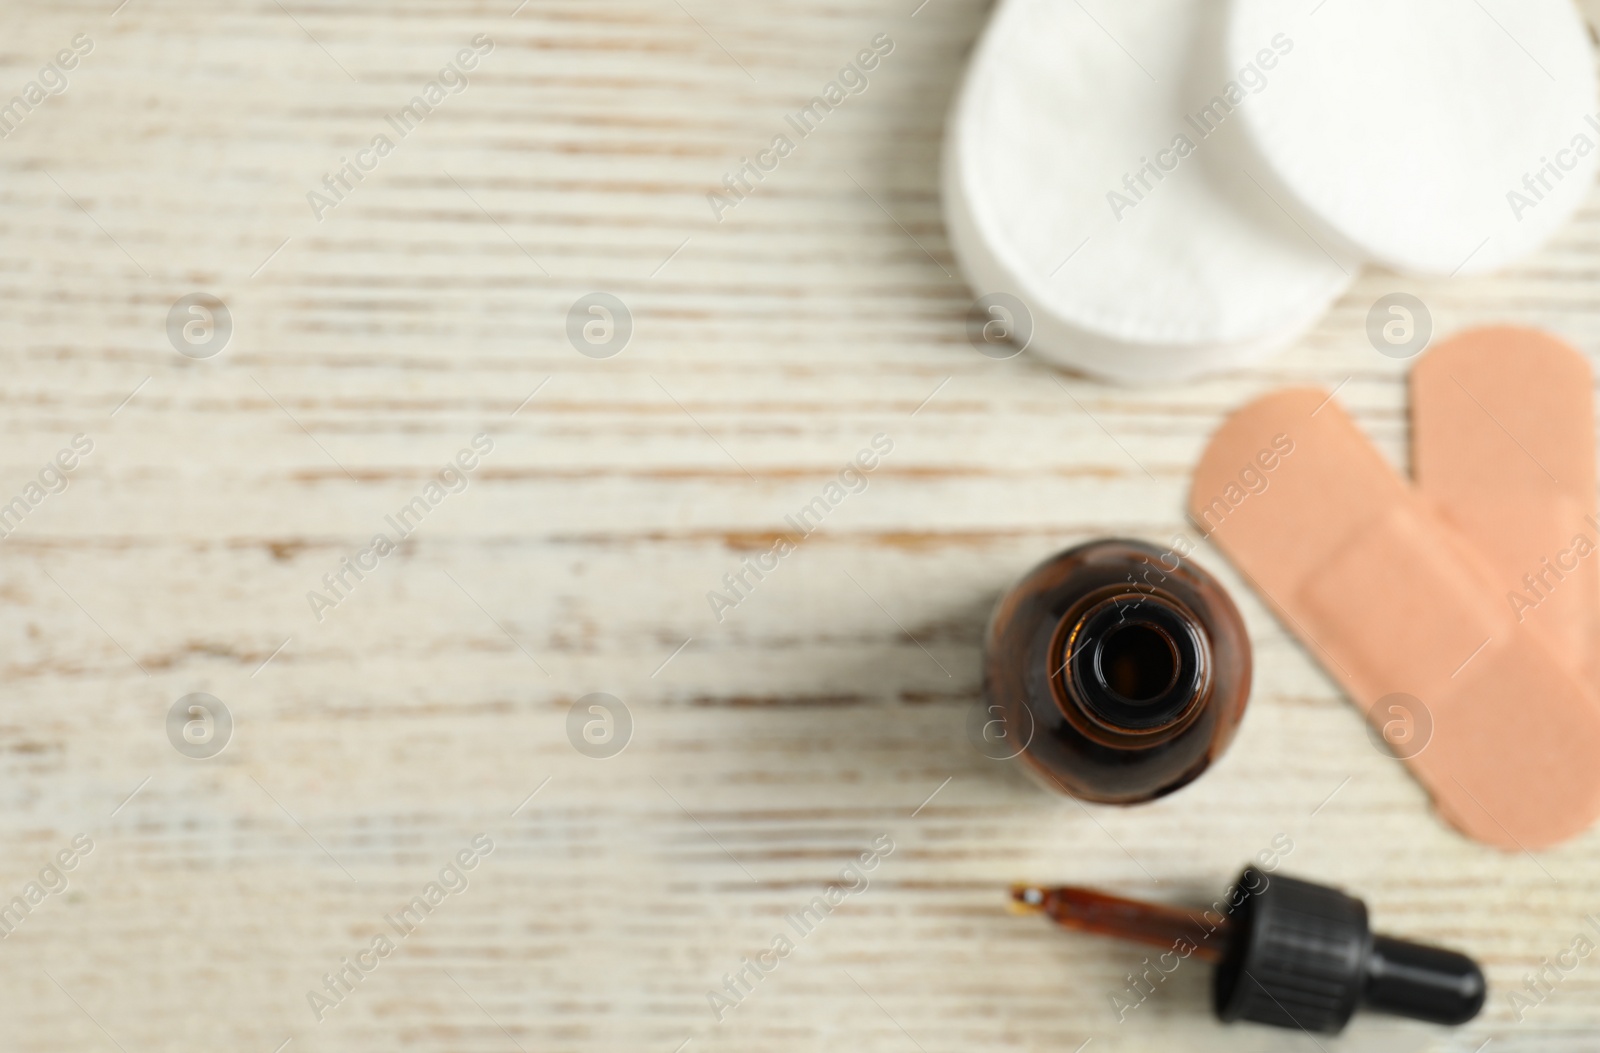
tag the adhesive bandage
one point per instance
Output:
(1502, 434)
(1392, 601)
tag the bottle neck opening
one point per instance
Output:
(1133, 663)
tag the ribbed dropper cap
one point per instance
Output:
(1301, 955)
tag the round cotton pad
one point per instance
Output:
(1074, 180)
(1433, 136)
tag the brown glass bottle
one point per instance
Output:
(1118, 672)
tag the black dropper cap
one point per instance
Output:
(1301, 955)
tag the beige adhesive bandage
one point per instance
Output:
(1391, 600)
(1502, 426)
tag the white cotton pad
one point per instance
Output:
(1433, 136)
(1073, 181)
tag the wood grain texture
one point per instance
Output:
(778, 743)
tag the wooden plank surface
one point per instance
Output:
(767, 749)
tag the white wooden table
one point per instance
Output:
(766, 749)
